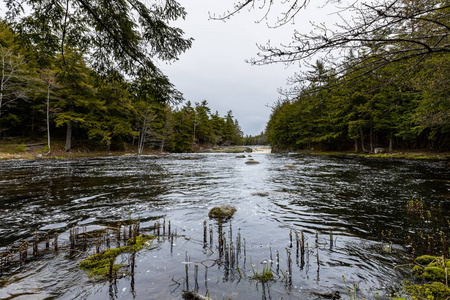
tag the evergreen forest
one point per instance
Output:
(363, 113)
(58, 96)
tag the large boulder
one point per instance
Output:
(222, 211)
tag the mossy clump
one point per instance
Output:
(425, 260)
(432, 270)
(20, 148)
(435, 290)
(98, 265)
(264, 276)
(222, 211)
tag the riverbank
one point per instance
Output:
(37, 150)
(404, 154)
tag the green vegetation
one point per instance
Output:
(369, 113)
(433, 291)
(433, 271)
(73, 97)
(266, 273)
(98, 265)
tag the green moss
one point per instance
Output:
(431, 268)
(20, 148)
(434, 274)
(418, 271)
(264, 276)
(425, 259)
(140, 242)
(98, 265)
(433, 291)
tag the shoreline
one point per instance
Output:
(402, 154)
(8, 152)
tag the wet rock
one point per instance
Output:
(240, 156)
(291, 166)
(261, 194)
(222, 211)
(190, 295)
(251, 162)
(333, 296)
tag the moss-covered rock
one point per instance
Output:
(435, 290)
(425, 259)
(431, 268)
(434, 274)
(222, 211)
(98, 265)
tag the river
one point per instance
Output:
(352, 212)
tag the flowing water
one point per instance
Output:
(342, 205)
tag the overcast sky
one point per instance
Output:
(214, 69)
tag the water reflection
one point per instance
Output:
(355, 199)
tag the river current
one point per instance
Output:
(352, 212)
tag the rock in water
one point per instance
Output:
(251, 161)
(222, 211)
(291, 166)
(190, 295)
(261, 194)
(333, 296)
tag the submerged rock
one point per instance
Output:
(222, 211)
(240, 156)
(251, 162)
(191, 295)
(333, 296)
(261, 194)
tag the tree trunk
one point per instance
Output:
(48, 119)
(1, 100)
(162, 145)
(371, 140)
(69, 137)
(362, 142)
(356, 145)
(391, 143)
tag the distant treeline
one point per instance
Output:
(45, 95)
(397, 106)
